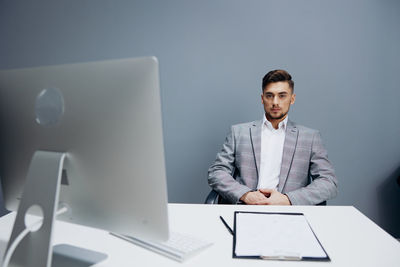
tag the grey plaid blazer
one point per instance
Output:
(307, 177)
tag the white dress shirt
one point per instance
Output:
(271, 153)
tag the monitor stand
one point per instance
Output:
(41, 191)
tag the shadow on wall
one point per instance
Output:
(389, 203)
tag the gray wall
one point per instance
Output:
(344, 57)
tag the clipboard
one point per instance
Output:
(275, 236)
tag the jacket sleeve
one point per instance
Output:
(220, 174)
(324, 182)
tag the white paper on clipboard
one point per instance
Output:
(271, 234)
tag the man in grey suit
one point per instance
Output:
(273, 161)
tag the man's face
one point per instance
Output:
(277, 98)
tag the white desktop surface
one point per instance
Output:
(348, 236)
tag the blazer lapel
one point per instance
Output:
(255, 137)
(289, 147)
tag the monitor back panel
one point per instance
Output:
(111, 130)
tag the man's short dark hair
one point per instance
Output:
(277, 76)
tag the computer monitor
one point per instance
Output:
(106, 117)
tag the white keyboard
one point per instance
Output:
(178, 247)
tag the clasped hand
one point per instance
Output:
(265, 197)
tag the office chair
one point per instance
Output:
(214, 198)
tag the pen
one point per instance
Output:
(226, 225)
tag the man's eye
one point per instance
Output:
(268, 96)
(282, 96)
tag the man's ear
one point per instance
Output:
(293, 99)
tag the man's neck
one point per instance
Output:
(275, 122)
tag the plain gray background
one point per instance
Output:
(343, 55)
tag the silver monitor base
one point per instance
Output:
(70, 256)
(41, 190)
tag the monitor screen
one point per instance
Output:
(106, 117)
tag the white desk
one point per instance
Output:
(349, 238)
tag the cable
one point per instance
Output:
(21, 236)
(14, 245)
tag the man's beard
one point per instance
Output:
(278, 117)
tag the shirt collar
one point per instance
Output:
(281, 125)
